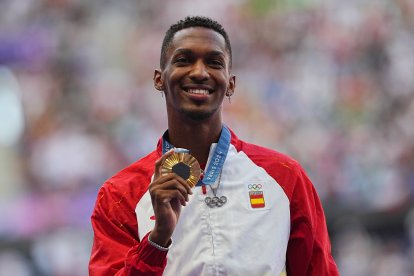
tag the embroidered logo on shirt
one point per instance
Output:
(256, 196)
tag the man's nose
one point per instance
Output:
(199, 71)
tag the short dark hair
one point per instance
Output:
(188, 22)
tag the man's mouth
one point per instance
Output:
(197, 91)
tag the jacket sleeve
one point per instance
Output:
(116, 248)
(309, 247)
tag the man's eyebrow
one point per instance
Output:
(216, 53)
(183, 51)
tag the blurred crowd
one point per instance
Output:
(331, 83)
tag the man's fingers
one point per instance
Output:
(184, 183)
(165, 196)
(170, 182)
(172, 176)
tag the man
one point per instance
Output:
(255, 212)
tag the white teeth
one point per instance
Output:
(198, 91)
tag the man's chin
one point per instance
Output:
(197, 115)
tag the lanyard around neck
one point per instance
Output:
(217, 158)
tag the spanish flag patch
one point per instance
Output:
(257, 199)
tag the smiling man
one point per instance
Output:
(248, 211)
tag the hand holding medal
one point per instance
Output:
(182, 163)
(176, 172)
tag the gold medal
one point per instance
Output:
(184, 165)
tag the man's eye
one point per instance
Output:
(181, 60)
(216, 63)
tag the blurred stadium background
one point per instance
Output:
(330, 83)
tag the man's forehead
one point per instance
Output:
(198, 35)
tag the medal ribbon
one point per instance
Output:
(217, 159)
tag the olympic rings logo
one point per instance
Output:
(255, 187)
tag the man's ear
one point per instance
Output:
(231, 86)
(158, 82)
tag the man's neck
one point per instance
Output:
(196, 137)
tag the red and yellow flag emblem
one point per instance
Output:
(257, 199)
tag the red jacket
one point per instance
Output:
(273, 222)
